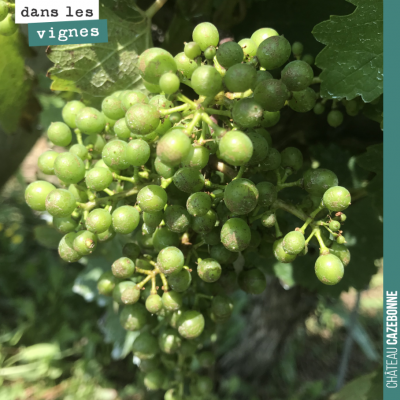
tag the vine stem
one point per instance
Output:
(290, 208)
(186, 100)
(78, 136)
(290, 184)
(169, 111)
(152, 10)
(206, 118)
(217, 112)
(240, 173)
(311, 218)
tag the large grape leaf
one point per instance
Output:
(102, 68)
(352, 61)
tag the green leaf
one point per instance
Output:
(352, 61)
(102, 68)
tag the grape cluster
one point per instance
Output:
(179, 181)
(7, 22)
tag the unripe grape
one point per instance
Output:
(138, 152)
(115, 155)
(78, 192)
(334, 225)
(173, 147)
(152, 198)
(188, 349)
(70, 111)
(197, 157)
(235, 148)
(180, 281)
(121, 129)
(151, 87)
(209, 270)
(341, 251)
(270, 118)
(154, 380)
(163, 170)
(126, 292)
(329, 269)
(97, 143)
(131, 98)
(341, 240)
(79, 150)
(260, 77)
(297, 75)
(177, 218)
(66, 249)
(268, 219)
(280, 254)
(98, 221)
(69, 168)
(174, 118)
(308, 58)
(303, 101)
(221, 308)
(210, 52)
(204, 223)
(59, 134)
(170, 260)
(247, 113)
(8, 26)
(260, 147)
(293, 243)
(147, 230)
(191, 324)
(273, 52)
(60, 203)
(319, 109)
(169, 341)
(65, 224)
(36, 194)
(241, 196)
(291, 157)
(154, 304)
(317, 181)
(142, 119)
(172, 301)
(123, 268)
(267, 193)
(335, 118)
(235, 235)
(163, 237)
(272, 161)
(131, 250)
(153, 219)
(249, 48)
(98, 178)
(261, 34)
(145, 346)
(106, 235)
(150, 364)
(84, 243)
(206, 35)
(342, 217)
(161, 102)
(252, 281)
(229, 54)
(125, 219)
(206, 81)
(297, 48)
(192, 50)
(198, 204)
(106, 283)
(3, 10)
(90, 121)
(336, 198)
(46, 162)
(111, 107)
(133, 317)
(187, 65)
(169, 83)
(154, 63)
(189, 180)
(204, 385)
(271, 94)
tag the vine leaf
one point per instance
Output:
(102, 68)
(352, 61)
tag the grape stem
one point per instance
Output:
(154, 8)
(240, 173)
(123, 178)
(218, 112)
(206, 118)
(240, 95)
(290, 184)
(196, 119)
(196, 246)
(168, 111)
(311, 218)
(108, 191)
(219, 67)
(78, 136)
(278, 232)
(323, 250)
(165, 182)
(186, 100)
(165, 282)
(290, 208)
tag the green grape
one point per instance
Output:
(172, 394)
(329, 269)
(106, 235)
(206, 81)
(161, 102)
(163, 170)
(240, 77)
(3, 10)
(260, 147)
(247, 113)
(192, 50)
(154, 380)
(125, 219)
(267, 194)
(207, 359)
(131, 98)
(153, 219)
(198, 204)
(150, 364)
(173, 147)
(46, 162)
(206, 35)
(308, 58)
(163, 237)
(142, 119)
(191, 324)
(342, 217)
(8, 26)
(317, 181)
(297, 75)
(173, 322)
(138, 152)
(36, 194)
(79, 150)
(169, 83)
(59, 134)
(336, 198)
(272, 161)
(98, 179)
(341, 251)
(123, 268)
(303, 101)
(102, 164)
(273, 52)
(204, 223)
(169, 341)
(261, 76)
(79, 193)
(154, 304)
(70, 112)
(121, 130)
(188, 348)
(98, 221)
(293, 243)
(209, 270)
(152, 198)
(109, 122)
(172, 301)
(229, 54)
(180, 281)
(96, 142)
(60, 203)
(220, 254)
(291, 157)
(268, 219)
(170, 260)
(189, 180)
(133, 317)
(65, 224)
(69, 168)
(197, 157)
(271, 94)
(177, 218)
(115, 154)
(131, 250)
(211, 145)
(213, 237)
(249, 48)
(174, 118)
(280, 254)
(319, 109)
(154, 63)
(84, 243)
(261, 34)
(66, 249)
(335, 118)
(297, 48)
(334, 225)
(221, 308)
(147, 230)
(90, 121)
(151, 87)
(340, 240)
(204, 385)
(235, 148)
(126, 292)
(210, 52)
(235, 235)
(252, 281)
(111, 107)
(145, 346)
(241, 196)
(106, 283)
(270, 118)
